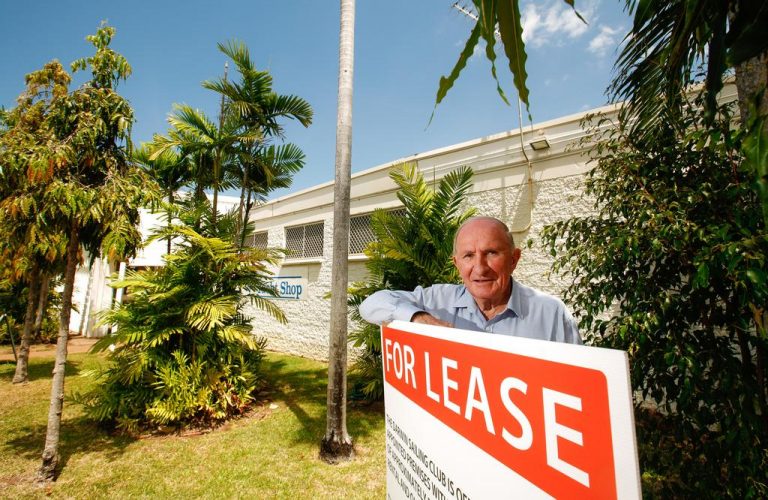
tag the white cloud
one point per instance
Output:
(554, 22)
(607, 40)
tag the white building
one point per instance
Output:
(92, 292)
(528, 181)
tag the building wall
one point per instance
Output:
(503, 184)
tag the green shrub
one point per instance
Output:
(671, 268)
(184, 352)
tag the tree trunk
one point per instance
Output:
(240, 219)
(85, 311)
(47, 470)
(751, 77)
(170, 216)
(247, 211)
(33, 292)
(337, 445)
(215, 203)
(45, 283)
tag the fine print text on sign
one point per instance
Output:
(471, 415)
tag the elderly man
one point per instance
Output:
(490, 300)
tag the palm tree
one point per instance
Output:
(171, 170)
(672, 41)
(337, 444)
(495, 19)
(251, 102)
(259, 169)
(185, 350)
(412, 247)
(194, 134)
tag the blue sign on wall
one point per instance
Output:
(287, 287)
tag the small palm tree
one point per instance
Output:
(411, 249)
(171, 170)
(260, 169)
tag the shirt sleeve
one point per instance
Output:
(390, 305)
(570, 329)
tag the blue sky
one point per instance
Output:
(402, 48)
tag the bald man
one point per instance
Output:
(489, 300)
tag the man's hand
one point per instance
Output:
(427, 319)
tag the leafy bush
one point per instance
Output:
(411, 248)
(184, 352)
(671, 267)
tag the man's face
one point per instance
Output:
(485, 260)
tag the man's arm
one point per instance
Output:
(390, 305)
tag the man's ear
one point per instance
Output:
(515, 258)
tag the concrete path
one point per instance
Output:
(76, 344)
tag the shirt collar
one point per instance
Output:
(515, 303)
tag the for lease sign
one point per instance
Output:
(473, 415)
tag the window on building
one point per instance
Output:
(257, 240)
(361, 233)
(304, 241)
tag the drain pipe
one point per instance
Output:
(529, 172)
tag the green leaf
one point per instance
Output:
(447, 82)
(511, 34)
(757, 276)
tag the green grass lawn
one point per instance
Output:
(270, 454)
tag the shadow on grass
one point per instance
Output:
(38, 369)
(77, 435)
(304, 392)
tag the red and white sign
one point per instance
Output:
(474, 415)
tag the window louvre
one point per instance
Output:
(257, 240)
(361, 233)
(304, 241)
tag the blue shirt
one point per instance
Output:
(529, 313)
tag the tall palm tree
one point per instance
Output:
(252, 98)
(251, 102)
(195, 134)
(337, 444)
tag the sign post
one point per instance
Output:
(473, 415)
